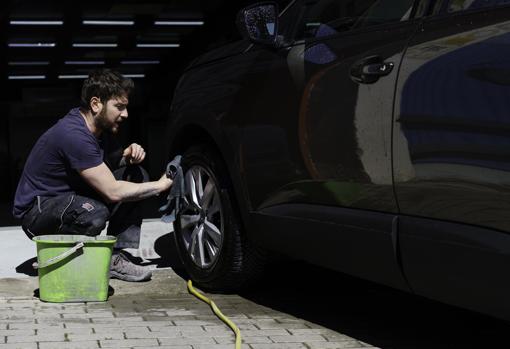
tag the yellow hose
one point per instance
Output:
(218, 313)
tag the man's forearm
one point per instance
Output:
(102, 180)
(128, 191)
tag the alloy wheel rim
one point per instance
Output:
(201, 220)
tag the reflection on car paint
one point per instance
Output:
(452, 144)
(441, 129)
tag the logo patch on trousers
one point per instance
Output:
(88, 206)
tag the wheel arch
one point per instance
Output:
(194, 134)
(190, 135)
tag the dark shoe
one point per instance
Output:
(123, 269)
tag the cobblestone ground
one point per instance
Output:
(133, 318)
(300, 308)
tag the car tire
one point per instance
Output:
(209, 234)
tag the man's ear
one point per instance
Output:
(95, 105)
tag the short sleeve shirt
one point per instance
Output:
(55, 160)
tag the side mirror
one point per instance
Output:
(259, 22)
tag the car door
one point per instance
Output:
(316, 135)
(452, 163)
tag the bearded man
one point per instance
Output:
(75, 180)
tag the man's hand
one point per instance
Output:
(165, 182)
(134, 154)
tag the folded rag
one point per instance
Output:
(176, 198)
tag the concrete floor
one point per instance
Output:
(17, 251)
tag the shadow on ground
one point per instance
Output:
(377, 315)
(27, 267)
(165, 247)
(374, 314)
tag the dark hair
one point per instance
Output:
(104, 84)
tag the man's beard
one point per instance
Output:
(104, 124)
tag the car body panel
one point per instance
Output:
(458, 264)
(199, 115)
(451, 159)
(451, 131)
(357, 242)
(309, 138)
(313, 139)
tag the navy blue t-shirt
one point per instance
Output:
(53, 164)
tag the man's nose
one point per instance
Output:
(124, 114)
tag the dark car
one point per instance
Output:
(369, 136)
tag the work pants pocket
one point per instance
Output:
(65, 214)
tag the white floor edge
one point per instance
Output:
(16, 248)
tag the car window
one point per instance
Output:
(328, 17)
(463, 5)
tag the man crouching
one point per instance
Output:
(73, 182)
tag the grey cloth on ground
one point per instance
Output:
(176, 198)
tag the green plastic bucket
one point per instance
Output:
(73, 268)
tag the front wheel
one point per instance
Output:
(209, 235)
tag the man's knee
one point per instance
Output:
(88, 217)
(95, 226)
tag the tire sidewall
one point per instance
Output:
(208, 277)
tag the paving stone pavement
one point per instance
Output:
(157, 314)
(294, 306)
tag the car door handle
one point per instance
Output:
(369, 69)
